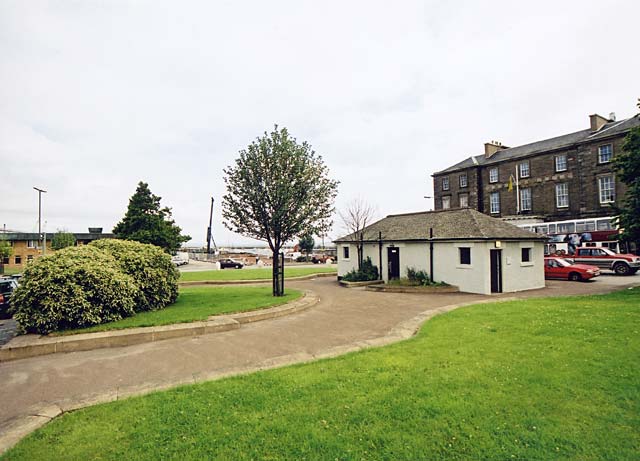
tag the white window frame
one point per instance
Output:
(562, 195)
(493, 175)
(524, 169)
(494, 202)
(32, 244)
(608, 154)
(561, 166)
(446, 199)
(466, 197)
(525, 200)
(607, 195)
(463, 180)
(445, 183)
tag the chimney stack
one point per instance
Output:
(597, 121)
(492, 147)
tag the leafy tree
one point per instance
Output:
(62, 239)
(146, 222)
(306, 244)
(627, 165)
(5, 251)
(277, 190)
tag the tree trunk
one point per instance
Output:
(277, 276)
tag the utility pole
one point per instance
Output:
(209, 232)
(42, 241)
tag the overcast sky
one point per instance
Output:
(96, 96)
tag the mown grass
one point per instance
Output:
(531, 380)
(253, 274)
(198, 303)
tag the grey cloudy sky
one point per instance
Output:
(96, 96)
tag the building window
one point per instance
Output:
(494, 202)
(5, 260)
(345, 252)
(446, 202)
(526, 255)
(493, 175)
(465, 255)
(607, 187)
(562, 195)
(463, 180)
(464, 200)
(445, 183)
(31, 244)
(524, 170)
(525, 199)
(29, 258)
(605, 153)
(561, 163)
(18, 259)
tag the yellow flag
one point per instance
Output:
(510, 183)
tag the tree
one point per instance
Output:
(355, 217)
(146, 222)
(306, 244)
(627, 165)
(5, 251)
(277, 190)
(62, 239)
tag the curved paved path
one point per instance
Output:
(49, 384)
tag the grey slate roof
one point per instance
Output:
(453, 224)
(559, 142)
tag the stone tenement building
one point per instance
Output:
(567, 177)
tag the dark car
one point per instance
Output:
(7, 285)
(560, 268)
(230, 263)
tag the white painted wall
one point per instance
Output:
(473, 278)
(518, 276)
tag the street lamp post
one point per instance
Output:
(42, 241)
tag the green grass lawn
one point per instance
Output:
(531, 380)
(198, 303)
(253, 274)
(12, 270)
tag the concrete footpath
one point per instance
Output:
(34, 390)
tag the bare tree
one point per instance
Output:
(357, 215)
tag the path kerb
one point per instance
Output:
(26, 346)
(18, 429)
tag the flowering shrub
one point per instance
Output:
(72, 288)
(151, 268)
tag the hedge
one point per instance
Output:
(72, 288)
(151, 268)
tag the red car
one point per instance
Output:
(560, 268)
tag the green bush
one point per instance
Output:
(151, 268)
(72, 288)
(418, 277)
(366, 273)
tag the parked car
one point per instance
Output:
(604, 258)
(230, 263)
(7, 285)
(178, 261)
(560, 268)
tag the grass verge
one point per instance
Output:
(253, 274)
(537, 379)
(198, 303)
